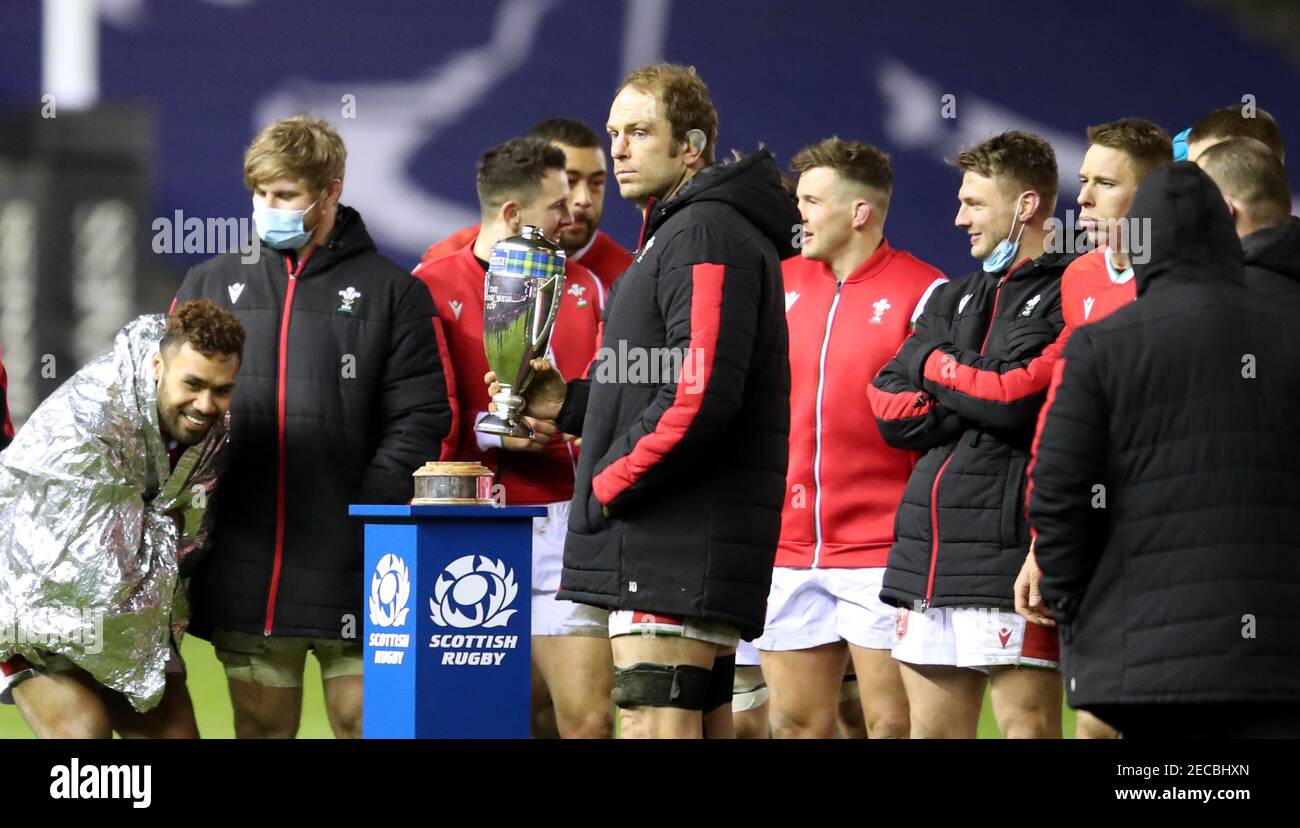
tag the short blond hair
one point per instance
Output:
(300, 148)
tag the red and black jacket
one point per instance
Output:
(692, 472)
(966, 388)
(340, 398)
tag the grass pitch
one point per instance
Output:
(207, 683)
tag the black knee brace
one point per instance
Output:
(658, 685)
(721, 682)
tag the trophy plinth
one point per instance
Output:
(452, 484)
(522, 290)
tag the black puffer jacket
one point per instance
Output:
(967, 387)
(692, 472)
(342, 394)
(1273, 259)
(1181, 584)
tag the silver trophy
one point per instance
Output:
(521, 296)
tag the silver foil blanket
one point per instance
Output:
(94, 523)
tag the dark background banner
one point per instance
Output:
(419, 89)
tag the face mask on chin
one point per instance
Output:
(1005, 253)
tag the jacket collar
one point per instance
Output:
(466, 258)
(873, 265)
(1028, 267)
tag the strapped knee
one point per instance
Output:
(659, 685)
(722, 681)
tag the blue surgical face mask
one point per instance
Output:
(1005, 253)
(281, 229)
(1180, 145)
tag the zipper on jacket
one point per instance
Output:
(997, 293)
(817, 452)
(280, 382)
(934, 532)
(934, 487)
(645, 222)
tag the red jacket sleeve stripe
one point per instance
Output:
(898, 405)
(706, 317)
(993, 386)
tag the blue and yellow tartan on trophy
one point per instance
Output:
(538, 264)
(521, 297)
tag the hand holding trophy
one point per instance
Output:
(521, 297)
(546, 391)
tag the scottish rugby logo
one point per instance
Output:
(468, 595)
(390, 588)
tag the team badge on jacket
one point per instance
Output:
(456, 305)
(348, 297)
(791, 296)
(235, 290)
(579, 292)
(879, 307)
(1031, 304)
(1087, 307)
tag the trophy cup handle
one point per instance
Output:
(541, 333)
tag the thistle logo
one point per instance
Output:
(880, 306)
(390, 589)
(466, 595)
